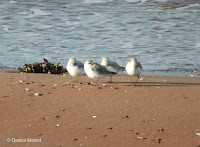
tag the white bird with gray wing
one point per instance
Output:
(134, 68)
(111, 66)
(75, 68)
(95, 70)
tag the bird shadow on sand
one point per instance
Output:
(158, 84)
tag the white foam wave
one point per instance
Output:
(6, 28)
(133, 1)
(70, 23)
(22, 13)
(46, 27)
(189, 6)
(97, 1)
(197, 45)
(143, 1)
(128, 45)
(30, 34)
(12, 2)
(39, 12)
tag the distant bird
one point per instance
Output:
(111, 66)
(75, 68)
(134, 68)
(95, 70)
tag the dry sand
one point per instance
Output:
(151, 113)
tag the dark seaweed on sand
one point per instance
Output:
(44, 67)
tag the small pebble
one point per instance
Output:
(198, 134)
(21, 81)
(141, 79)
(126, 91)
(27, 89)
(165, 81)
(38, 94)
(79, 89)
(158, 140)
(140, 138)
(104, 85)
(104, 136)
(88, 83)
(162, 130)
(57, 125)
(54, 85)
(94, 116)
(126, 116)
(29, 126)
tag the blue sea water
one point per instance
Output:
(164, 35)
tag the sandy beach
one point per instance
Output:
(157, 111)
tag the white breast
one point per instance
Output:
(131, 70)
(74, 70)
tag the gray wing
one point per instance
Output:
(79, 64)
(100, 69)
(139, 65)
(115, 65)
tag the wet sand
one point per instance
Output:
(158, 111)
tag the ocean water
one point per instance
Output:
(164, 35)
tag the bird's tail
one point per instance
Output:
(112, 73)
(122, 68)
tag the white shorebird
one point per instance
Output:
(111, 66)
(134, 68)
(95, 70)
(75, 68)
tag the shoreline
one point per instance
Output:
(156, 111)
(157, 73)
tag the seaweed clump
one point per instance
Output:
(44, 67)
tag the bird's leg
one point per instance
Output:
(137, 79)
(76, 79)
(96, 82)
(110, 79)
